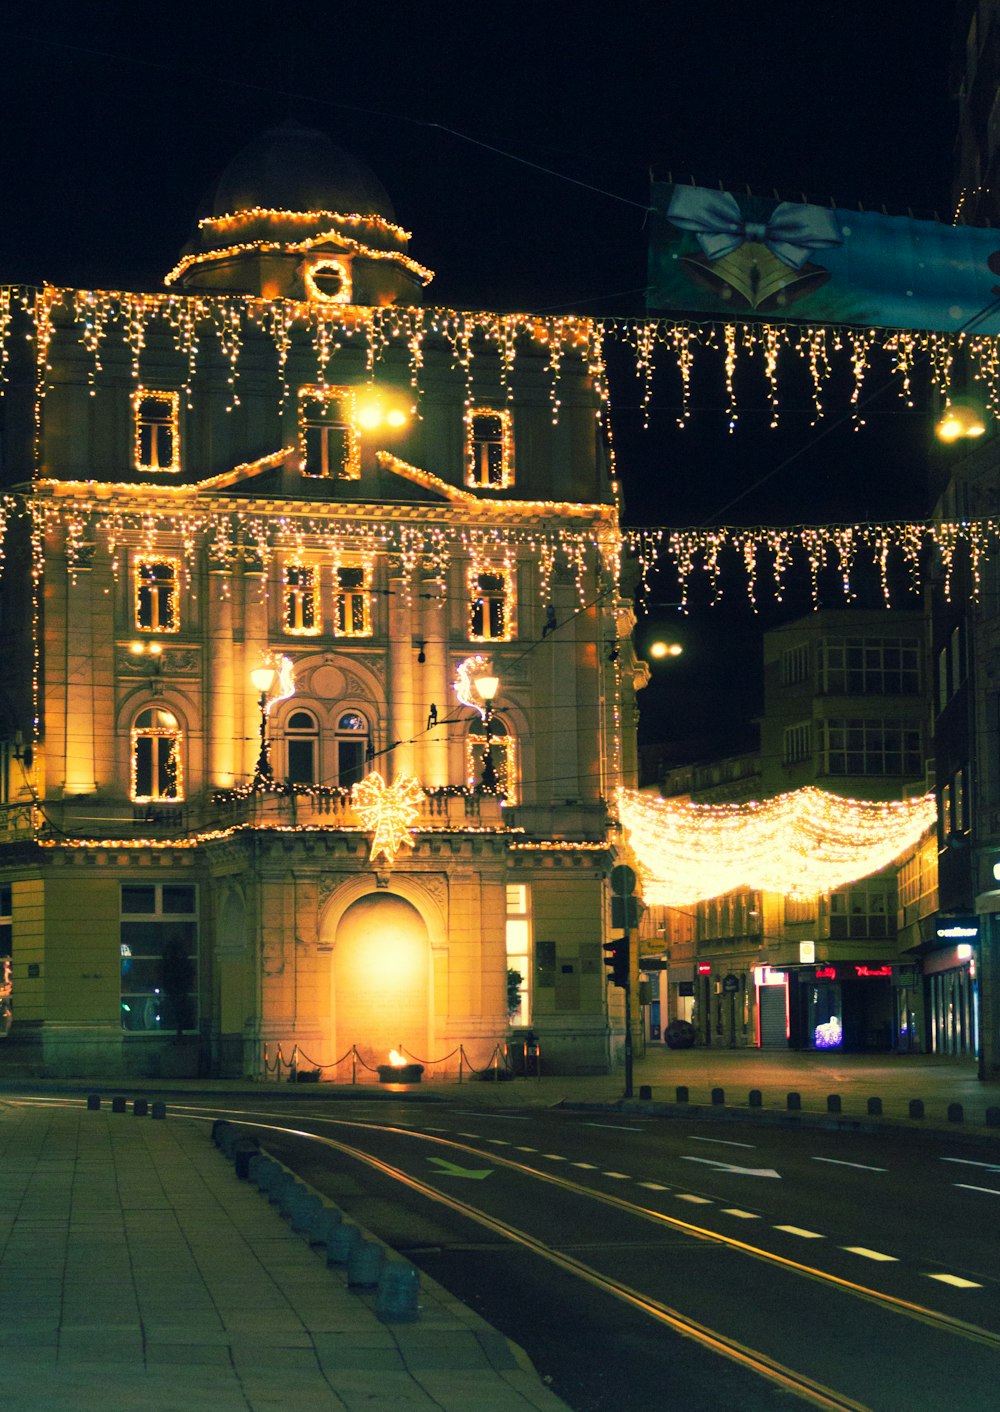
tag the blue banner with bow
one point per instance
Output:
(713, 254)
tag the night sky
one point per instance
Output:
(118, 119)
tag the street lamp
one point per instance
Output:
(262, 679)
(487, 686)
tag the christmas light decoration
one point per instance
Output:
(390, 812)
(464, 685)
(801, 844)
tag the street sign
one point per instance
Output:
(730, 984)
(623, 880)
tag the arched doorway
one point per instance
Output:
(382, 978)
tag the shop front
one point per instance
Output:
(858, 1006)
(952, 987)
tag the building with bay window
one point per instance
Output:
(287, 461)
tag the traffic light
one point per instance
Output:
(616, 960)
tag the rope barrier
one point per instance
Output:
(500, 1059)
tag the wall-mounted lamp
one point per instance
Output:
(421, 655)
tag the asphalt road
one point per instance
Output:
(664, 1263)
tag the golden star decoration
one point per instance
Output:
(389, 811)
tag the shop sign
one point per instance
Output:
(957, 929)
(704, 968)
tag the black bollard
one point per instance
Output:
(682, 1093)
(916, 1107)
(993, 1117)
(794, 1102)
(956, 1113)
(756, 1098)
(140, 1108)
(875, 1106)
(833, 1104)
(159, 1110)
(645, 1093)
(118, 1104)
(93, 1102)
(718, 1096)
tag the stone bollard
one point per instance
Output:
(341, 1242)
(93, 1102)
(794, 1102)
(304, 1212)
(718, 1096)
(645, 1093)
(159, 1110)
(258, 1168)
(243, 1155)
(682, 1093)
(398, 1291)
(364, 1264)
(993, 1117)
(875, 1107)
(756, 1098)
(956, 1113)
(291, 1194)
(324, 1222)
(220, 1127)
(916, 1107)
(833, 1104)
(277, 1187)
(269, 1173)
(118, 1104)
(140, 1108)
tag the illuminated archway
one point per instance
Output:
(382, 978)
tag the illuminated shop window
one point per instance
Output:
(158, 933)
(490, 449)
(518, 956)
(156, 599)
(301, 614)
(328, 440)
(490, 615)
(502, 746)
(156, 756)
(352, 605)
(157, 435)
(301, 746)
(353, 747)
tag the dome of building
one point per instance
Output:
(296, 168)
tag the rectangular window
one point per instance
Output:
(157, 437)
(300, 599)
(869, 666)
(490, 449)
(866, 910)
(159, 958)
(490, 615)
(518, 956)
(352, 607)
(797, 743)
(795, 664)
(871, 747)
(156, 597)
(329, 444)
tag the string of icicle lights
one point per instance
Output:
(801, 844)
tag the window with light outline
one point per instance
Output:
(503, 748)
(301, 748)
(352, 600)
(301, 606)
(518, 955)
(329, 444)
(156, 772)
(353, 748)
(156, 423)
(157, 601)
(489, 450)
(491, 605)
(158, 938)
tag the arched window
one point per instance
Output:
(301, 743)
(502, 748)
(352, 748)
(156, 756)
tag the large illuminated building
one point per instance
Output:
(318, 671)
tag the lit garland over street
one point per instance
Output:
(801, 844)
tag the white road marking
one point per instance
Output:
(955, 1280)
(498, 1141)
(797, 1230)
(968, 1162)
(741, 1215)
(695, 1200)
(618, 1176)
(475, 1135)
(721, 1142)
(615, 1127)
(587, 1166)
(526, 1149)
(654, 1186)
(501, 1117)
(867, 1254)
(554, 1156)
(861, 1166)
(967, 1186)
(729, 1167)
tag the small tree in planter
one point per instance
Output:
(514, 982)
(177, 983)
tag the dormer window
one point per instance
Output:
(157, 435)
(490, 449)
(329, 445)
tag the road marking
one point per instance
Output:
(474, 1135)
(867, 1254)
(695, 1200)
(861, 1166)
(587, 1166)
(967, 1186)
(968, 1162)
(728, 1167)
(654, 1186)
(721, 1142)
(955, 1280)
(525, 1149)
(615, 1127)
(554, 1156)
(452, 1169)
(797, 1230)
(618, 1176)
(741, 1215)
(498, 1141)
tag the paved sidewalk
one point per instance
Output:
(137, 1272)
